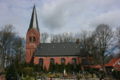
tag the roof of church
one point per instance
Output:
(34, 20)
(58, 49)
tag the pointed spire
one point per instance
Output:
(34, 21)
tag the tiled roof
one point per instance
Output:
(58, 49)
(114, 62)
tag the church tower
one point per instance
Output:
(32, 37)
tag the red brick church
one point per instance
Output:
(45, 53)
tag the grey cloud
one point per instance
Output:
(111, 18)
(76, 13)
(60, 15)
(54, 20)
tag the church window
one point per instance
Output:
(32, 39)
(74, 61)
(52, 61)
(41, 61)
(85, 61)
(63, 60)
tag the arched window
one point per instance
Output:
(74, 61)
(41, 61)
(32, 39)
(62, 60)
(85, 61)
(52, 61)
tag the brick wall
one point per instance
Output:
(46, 60)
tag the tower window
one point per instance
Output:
(32, 39)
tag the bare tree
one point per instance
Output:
(87, 47)
(44, 37)
(63, 38)
(118, 36)
(103, 35)
(118, 40)
(9, 44)
(6, 36)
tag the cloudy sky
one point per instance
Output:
(58, 16)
